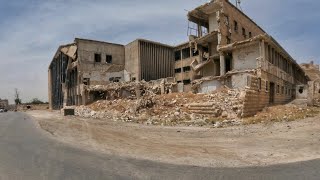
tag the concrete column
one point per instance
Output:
(50, 89)
(222, 64)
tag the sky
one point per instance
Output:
(32, 30)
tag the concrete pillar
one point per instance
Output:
(84, 98)
(50, 89)
(222, 64)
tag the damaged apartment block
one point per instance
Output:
(226, 49)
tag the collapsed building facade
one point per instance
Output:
(225, 49)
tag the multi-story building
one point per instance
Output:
(225, 48)
(236, 52)
(89, 63)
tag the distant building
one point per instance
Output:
(4, 103)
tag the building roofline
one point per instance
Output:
(153, 42)
(96, 41)
(182, 44)
(233, 6)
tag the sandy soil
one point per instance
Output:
(250, 145)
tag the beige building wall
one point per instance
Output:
(229, 17)
(132, 60)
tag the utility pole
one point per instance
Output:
(238, 4)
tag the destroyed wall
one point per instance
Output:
(314, 93)
(245, 58)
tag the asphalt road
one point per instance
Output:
(28, 153)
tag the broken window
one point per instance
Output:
(109, 59)
(115, 79)
(228, 40)
(244, 32)
(186, 69)
(227, 21)
(177, 55)
(177, 70)
(259, 83)
(235, 26)
(188, 81)
(185, 53)
(86, 81)
(195, 52)
(301, 90)
(267, 86)
(278, 89)
(250, 34)
(97, 57)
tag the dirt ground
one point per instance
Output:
(245, 145)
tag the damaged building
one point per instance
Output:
(313, 72)
(225, 49)
(78, 66)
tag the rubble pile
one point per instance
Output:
(225, 106)
(131, 90)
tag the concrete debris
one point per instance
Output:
(170, 109)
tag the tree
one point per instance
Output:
(36, 101)
(17, 99)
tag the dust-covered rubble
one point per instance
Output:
(220, 108)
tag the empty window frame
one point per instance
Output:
(244, 32)
(115, 79)
(259, 84)
(195, 52)
(269, 54)
(235, 23)
(86, 81)
(185, 53)
(278, 89)
(228, 40)
(97, 57)
(267, 86)
(186, 69)
(177, 55)
(177, 70)
(108, 59)
(250, 34)
(187, 81)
